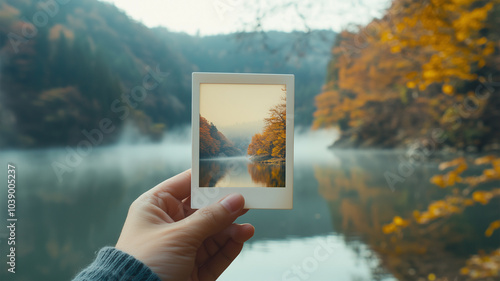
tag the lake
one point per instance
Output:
(240, 172)
(341, 202)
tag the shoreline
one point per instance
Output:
(267, 160)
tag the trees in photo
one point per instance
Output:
(272, 141)
(213, 143)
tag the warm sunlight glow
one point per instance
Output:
(234, 107)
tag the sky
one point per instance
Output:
(208, 17)
(239, 109)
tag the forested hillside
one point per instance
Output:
(64, 75)
(213, 143)
(304, 54)
(424, 74)
(90, 62)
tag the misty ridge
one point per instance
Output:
(213, 143)
(47, 100)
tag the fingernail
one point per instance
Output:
(233, 202)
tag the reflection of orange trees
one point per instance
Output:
(361, 206)
(465, 192)
(211, 172)
(270, 175)
(272, 141)
(416, 62)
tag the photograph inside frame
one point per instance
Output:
(242, 135)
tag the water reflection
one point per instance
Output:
(269, 175)
(361, 202)
(344, 195)
(240, 172)
(62, 223)
(211, 172)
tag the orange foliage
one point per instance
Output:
(493, 226)
(483, 266)
(456, 203)
(209, 146)
(396, 224)
(392, 63)
(272, 141)
(449, 29)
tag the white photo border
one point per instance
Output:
(255, 197)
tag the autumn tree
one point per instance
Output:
(208, 145)
(213, 143)
(272, 141)
(428, 62)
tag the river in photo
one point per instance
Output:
(241, 172)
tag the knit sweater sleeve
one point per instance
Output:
(112, 264)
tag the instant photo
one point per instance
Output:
(243, 139)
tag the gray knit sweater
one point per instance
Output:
(112, 264)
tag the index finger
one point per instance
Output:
(178, 186)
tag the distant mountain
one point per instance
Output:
(88, 69)
(305, 54)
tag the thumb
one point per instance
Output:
(214, 218)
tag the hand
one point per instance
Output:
(178, 243)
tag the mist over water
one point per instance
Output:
(65, 221)
(132, 153)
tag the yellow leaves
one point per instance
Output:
(481, 197)
(482, 266)
(411, 84)
(438, 180)
(400, 27)
(461, 162)
(464, 270)
(481, 41)
(385, 36)
(448, 89)
(491, 228)
(446, 180)
(484, 197)
(431, 74)
(489, 49)
(452, 177)
(431, 277)
(490, 173)
(396, 224)
(389, 228)
(398, 221)
(442, 208)
(272, 141)
(395, 49)
(484, 160)
(447, 32)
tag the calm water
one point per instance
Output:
(240, 172)
(341, 202)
